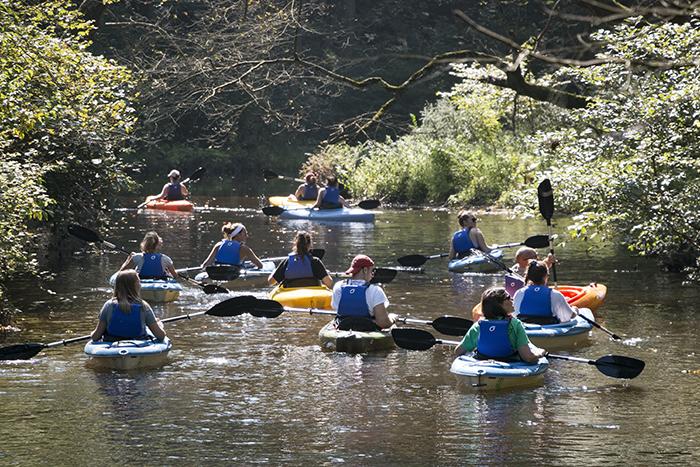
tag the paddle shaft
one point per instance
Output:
(596, 325)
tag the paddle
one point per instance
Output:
(545, 199)
(91, 236)
(268, 174)
(192, 178)
(450, 325)
(615, 366)
(231, 307)
(277, 210)
(418, 260)
(315, 252)
(381, 275)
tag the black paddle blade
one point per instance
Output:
(452, 325)
(317, 252)
(213, 288)
(369, 204)
(537, 241)
(412, 260)
(272, 210)
(383, 276)
(233, 306)
(84, 233)
(265, 308)
(413, 339)
(20, 351)
(268, 174)
(196, 174)
(617, 366)
(545, 197)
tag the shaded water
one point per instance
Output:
(245, 390)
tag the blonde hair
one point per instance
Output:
(302, 242)
(228, 228)
(150, 242)
(127, 289)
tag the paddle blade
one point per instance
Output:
(233, 306)
(264, 308)
(272, 210)
(317, 252)
(84, 233)
(617, 366)
(268, 174)
(213, 288)
(369, 204)
(545, 198)
(20, 351)
(537, 241)
(413, 339)
(412, 260)
(196, 174)
(383, 276)
(452, 325)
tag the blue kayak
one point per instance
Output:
(156, 290)
(561, 335)
(246, 272)
(476, 263)
(128, 354)
(334, 215)
(489, 375)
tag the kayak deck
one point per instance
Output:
(493, 375)
(303, 297)
(476, 263)
(128, 354)
(332, 215)
(573, 333)
(354, 342)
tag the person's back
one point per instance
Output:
(537, 303)
(468, 238)
(308, 191)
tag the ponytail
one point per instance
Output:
(302, 243)
(536, 272)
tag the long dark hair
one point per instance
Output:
(536, 272)
(492, 303)
(302, 242)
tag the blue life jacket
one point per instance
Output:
(298, 267)
(461, 242)
(353, 301)
(493, 341)
(310, 192)
(152, 267)
(537, 302)
(125, 325)
(229, 253)
(331, 197)
(174, 192)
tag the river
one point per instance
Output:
(245, 390)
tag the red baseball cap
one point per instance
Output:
(359, 262)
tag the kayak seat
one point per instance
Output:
(541, 320)
(356, 323)
(301, 282)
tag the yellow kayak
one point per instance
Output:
(303, 297)
(290, 202)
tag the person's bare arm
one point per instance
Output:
(319, 198)
(247, 254)
(381, 316)
(212, 255)
(156, 328)
(129, 262)
(527, 354)
(99, 331)
(478, 239)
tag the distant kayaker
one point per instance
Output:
(300, 269)
(126, 316)
(173, 190)
(499, 335)
(537, 303)
(329, 197)
(308, 191)
(357, 298)
(232, 250)
(149, 263)
(523, 257)
(468, 237)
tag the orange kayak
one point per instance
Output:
(590, 296)
(181, 205)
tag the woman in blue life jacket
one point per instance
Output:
(468, 237)
(149, 263)
(232, 250)
(537, 303)
(173, 190)
(499, 336)
(329, 197)
(308, 191)
(126, 316)
(357, 298)
(300, 269)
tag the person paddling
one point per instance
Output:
(537, 303)
(523, 257)
(150, 264)
(499, 335)
(300, 269)
(232, 250)
(356, 298)
(125, 316)
(173, 190)
(308, 191)
(468, 237)
(329, 197)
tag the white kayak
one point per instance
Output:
(491, 375)
(128, 354)
(561, 335)
(334, 215)
(156, 290)
(476, 263)
(247, 272)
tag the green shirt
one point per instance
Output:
(516, 335)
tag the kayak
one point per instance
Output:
(561, 335)
(334, 340)
(492, 375)
(156, 290)
(181, 205)
(128, 354)
(334, 215)
(303, 297)
(228, 275)
(590, 296)
(290, 202)
(476, 263)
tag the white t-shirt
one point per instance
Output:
(560, 308)
(165, 261)
(374, 295)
